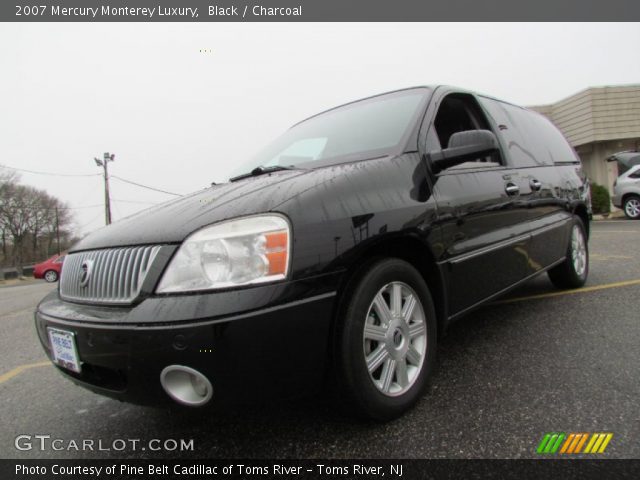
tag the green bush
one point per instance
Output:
(600, 201)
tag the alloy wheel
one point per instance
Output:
(578, 251)
(51, 276)
(395, 339)
(632, 208)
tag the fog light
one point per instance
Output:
(199, 385)
(186, 385)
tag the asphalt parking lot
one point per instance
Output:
(539, 361)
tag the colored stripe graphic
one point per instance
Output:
(543, 443)
(598, 442)
(573, 443)
(567, 443)
(577, 443)
(551, 442)
(605, 443)
(581, 443)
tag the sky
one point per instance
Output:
(180, 105)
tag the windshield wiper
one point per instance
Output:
(261, 170)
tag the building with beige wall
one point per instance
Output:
(599, 122)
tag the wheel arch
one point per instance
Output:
(583, 214)
(627, 195)
(408, 248)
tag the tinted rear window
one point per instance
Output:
(532, 140)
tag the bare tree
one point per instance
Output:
(17, 211)
(31, 221)
(7, 178)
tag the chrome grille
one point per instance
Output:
(116, 274)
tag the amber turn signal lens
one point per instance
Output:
(277, 252)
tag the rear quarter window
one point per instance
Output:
(530, 138)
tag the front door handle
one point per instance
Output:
(535, 184)
(512, 189)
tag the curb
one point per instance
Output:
(16, 282)
(611, 216)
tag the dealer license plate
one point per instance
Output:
(63, 346)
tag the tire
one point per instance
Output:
(631, 207)
(573, 272)
(369, 362)
(51, 276)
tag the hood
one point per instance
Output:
(173, 221)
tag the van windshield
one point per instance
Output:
(365, 129)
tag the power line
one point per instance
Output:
(134, 201)
(29, 207)
(82, 227)
(77, 208)
(144, 186)
(115, 207)
(51, 173)
(89, 175)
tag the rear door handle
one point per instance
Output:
(535, 184)
(511, 189)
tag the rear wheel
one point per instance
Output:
(51, 276)
(632, 207)
(573, 272)
(386, 340)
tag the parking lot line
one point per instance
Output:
(621, 221)
(21, 368)
(600, 256)
(594, 288)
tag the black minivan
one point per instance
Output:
(336, 257)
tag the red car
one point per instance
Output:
(49, 269)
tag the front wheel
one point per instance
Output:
(51, 276)
(573, 271)
(386, 340)
(631, 207)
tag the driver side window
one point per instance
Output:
(459, 112)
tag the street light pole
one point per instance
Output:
(107, 200)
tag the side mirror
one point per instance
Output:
(463, 147)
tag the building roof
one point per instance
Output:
(597, 114)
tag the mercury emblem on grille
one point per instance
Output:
(87, 267)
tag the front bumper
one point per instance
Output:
(280, 349)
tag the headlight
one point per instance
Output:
(228, 254)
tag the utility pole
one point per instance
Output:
(107, 201)
(57, 230)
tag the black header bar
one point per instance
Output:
(318, 10)
(399, 469)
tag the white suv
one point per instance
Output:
(626, 192)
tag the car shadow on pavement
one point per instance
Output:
(471, 356)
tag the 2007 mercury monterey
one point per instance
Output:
(337, 257)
